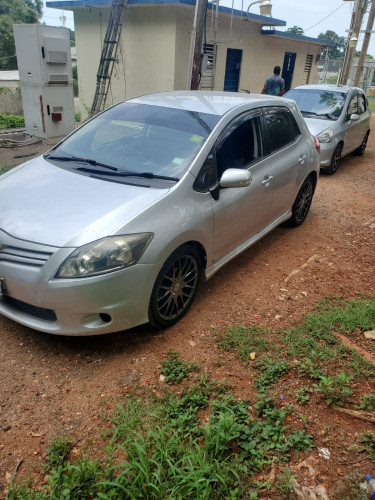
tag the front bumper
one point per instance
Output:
(326, 152)
(83, 306)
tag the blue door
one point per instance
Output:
(232, 70)
(288, 69)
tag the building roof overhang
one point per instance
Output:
(285, 34)
(78, 4)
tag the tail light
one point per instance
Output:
(317, 145)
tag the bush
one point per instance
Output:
(11, 121)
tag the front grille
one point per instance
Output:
(35, 312)
(23, 256)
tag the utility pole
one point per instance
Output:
(196, 44)
(355, 26)
(366, 41)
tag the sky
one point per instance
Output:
(313, 16)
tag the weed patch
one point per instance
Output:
(11, 121)
(175, 369)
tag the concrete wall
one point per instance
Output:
(153, 53)
(146, 52)
(261, 53)
(10, 101)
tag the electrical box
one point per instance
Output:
(45, 69)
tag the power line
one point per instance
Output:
(316, 24)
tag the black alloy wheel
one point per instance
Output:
(302, 203)
(175, 287)
(335, 161)
(362, 148)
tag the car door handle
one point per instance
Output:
(302, 159)
(267, 180)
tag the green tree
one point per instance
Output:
(340, 41)
(72, 38)
(368, 56)
(296, 30)
(15, 12)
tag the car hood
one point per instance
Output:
(316, 125)
(45, 204)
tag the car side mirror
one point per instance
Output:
(235, 178)
(354, 117)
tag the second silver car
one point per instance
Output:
(338, 116)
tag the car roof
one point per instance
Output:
(212, 102)
(328, 86)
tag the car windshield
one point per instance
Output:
(316, 102)
(137, 138)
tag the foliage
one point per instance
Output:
(334, 389)
(175, 369)
(272, 370)
(303, 395)
(296, 30)
(368, 402)
(15, 12)
(350, 487)
(285, 482)
(368, 441)
(368, 56)
(340, 41)
(75, 81)
(11, 121)
(58, 450)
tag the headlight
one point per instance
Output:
(325, 136)
(104, 256)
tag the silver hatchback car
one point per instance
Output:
(338, 116)
(117, 224)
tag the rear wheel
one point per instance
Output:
(175, 287)
(362, 148)
(302, 204)
(335, 161)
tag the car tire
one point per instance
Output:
(362, 148)
(175, 287)
(335, 161)
(302, 203)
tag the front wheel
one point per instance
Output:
(175, 287)
(335, 161)
(302, 203)
(362, 148)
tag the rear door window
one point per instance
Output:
(362, 104)
(280, 127)
(353, 106)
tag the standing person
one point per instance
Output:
(274, 85)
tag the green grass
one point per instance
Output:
(372, 105)
(200, 440)
(244, 340)
(167, 451)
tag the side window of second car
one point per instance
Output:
(362, 104)
(281, 128)
(353, 106)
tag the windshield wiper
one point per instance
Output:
(329, 115)
(127, 173)
(82, 160)
(116, 171)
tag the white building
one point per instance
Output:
(154, 48)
